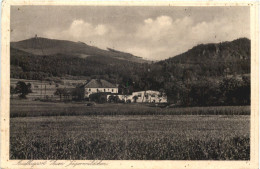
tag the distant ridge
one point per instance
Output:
(224, 51)
(211, 60)
(44, 46)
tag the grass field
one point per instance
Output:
(25, 108)
(128, 137)
(44, 130)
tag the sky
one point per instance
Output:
(154, 33)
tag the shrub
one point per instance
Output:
(98, 97)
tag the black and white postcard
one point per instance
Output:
(129, 85)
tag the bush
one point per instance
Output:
(113, 99)
(98, 97)
(128, 101)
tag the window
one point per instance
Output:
(139, 95)
(152, 95)
(89, 89)
(112, 90)
(36, 86)
(104, 90)
(97, 90)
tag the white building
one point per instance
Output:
(148, 96)
(99, 85)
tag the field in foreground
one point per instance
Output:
(139, 137)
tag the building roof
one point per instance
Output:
(99, 83)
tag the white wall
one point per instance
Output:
(152, 97)
(94, 90)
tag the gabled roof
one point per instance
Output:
(99, 83)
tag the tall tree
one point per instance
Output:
(23, 89)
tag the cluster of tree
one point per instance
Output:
(21, 88)
(113, 99)
(98, 97)
(228, 91)
(70, 93)
(203, 91)
(236, 91)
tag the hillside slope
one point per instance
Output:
(211, 60)
(44, 46)
(202, 61)
(238, 49)
(29, 66)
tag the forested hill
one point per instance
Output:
(226, 58)
(238, 49)
(29, 66)
(202, 61)
(44, 46)
(207, 74)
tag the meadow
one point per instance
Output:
(25, 108)
(41, 130)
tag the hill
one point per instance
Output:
(219, 59)
(238, 49)
(44, 46)
(25, 65)
(202, 61)
(207, 74)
